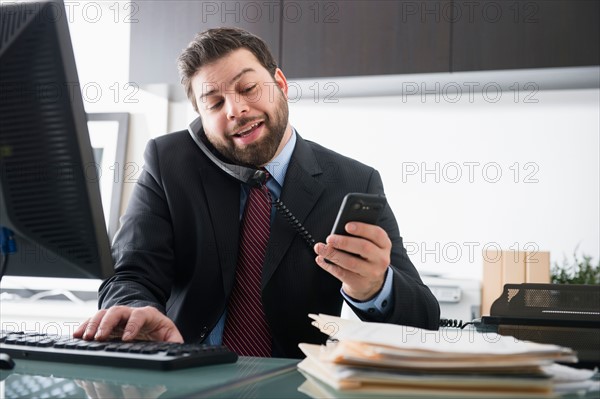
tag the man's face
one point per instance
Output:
(244, 110)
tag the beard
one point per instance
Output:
(261, 151)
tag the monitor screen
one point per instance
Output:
(49, 185)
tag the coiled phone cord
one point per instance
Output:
(454, 323)
(295, 223)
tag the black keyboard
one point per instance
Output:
(137, 354)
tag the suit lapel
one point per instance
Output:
(300, 193)
(223, 199)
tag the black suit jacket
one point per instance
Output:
(178, 245)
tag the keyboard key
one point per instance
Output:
(97, 346)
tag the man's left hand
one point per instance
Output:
(359, 261)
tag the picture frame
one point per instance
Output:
(109, 133)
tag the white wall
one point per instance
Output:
(509, 174)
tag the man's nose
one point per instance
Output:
(237, 106)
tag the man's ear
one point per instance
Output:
(281, 81)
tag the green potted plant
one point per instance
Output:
(580, 270)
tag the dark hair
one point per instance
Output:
(211, 45)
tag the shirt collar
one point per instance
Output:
(278, 166)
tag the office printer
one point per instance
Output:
(459, 299)
(567, 315)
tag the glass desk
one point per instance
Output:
(248, 378)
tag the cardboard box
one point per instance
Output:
(514, 267)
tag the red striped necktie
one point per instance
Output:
(246, 330)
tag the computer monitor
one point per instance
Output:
(49, 186)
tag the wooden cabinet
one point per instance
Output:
(525, 34)
(327, 38)
(359, 37)
(162, 29)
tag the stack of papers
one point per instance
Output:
(386, 359)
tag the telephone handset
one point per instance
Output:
(253, 177)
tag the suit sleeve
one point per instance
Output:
(142, 249)
(412, 302)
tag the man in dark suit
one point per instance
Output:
(176, 253)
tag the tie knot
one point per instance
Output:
(259, 178)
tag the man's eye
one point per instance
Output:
(249, 89)
(215, 105)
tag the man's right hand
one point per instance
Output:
(127, 323)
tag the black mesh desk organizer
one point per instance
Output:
(567, 315)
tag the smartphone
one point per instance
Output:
(358, 207)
